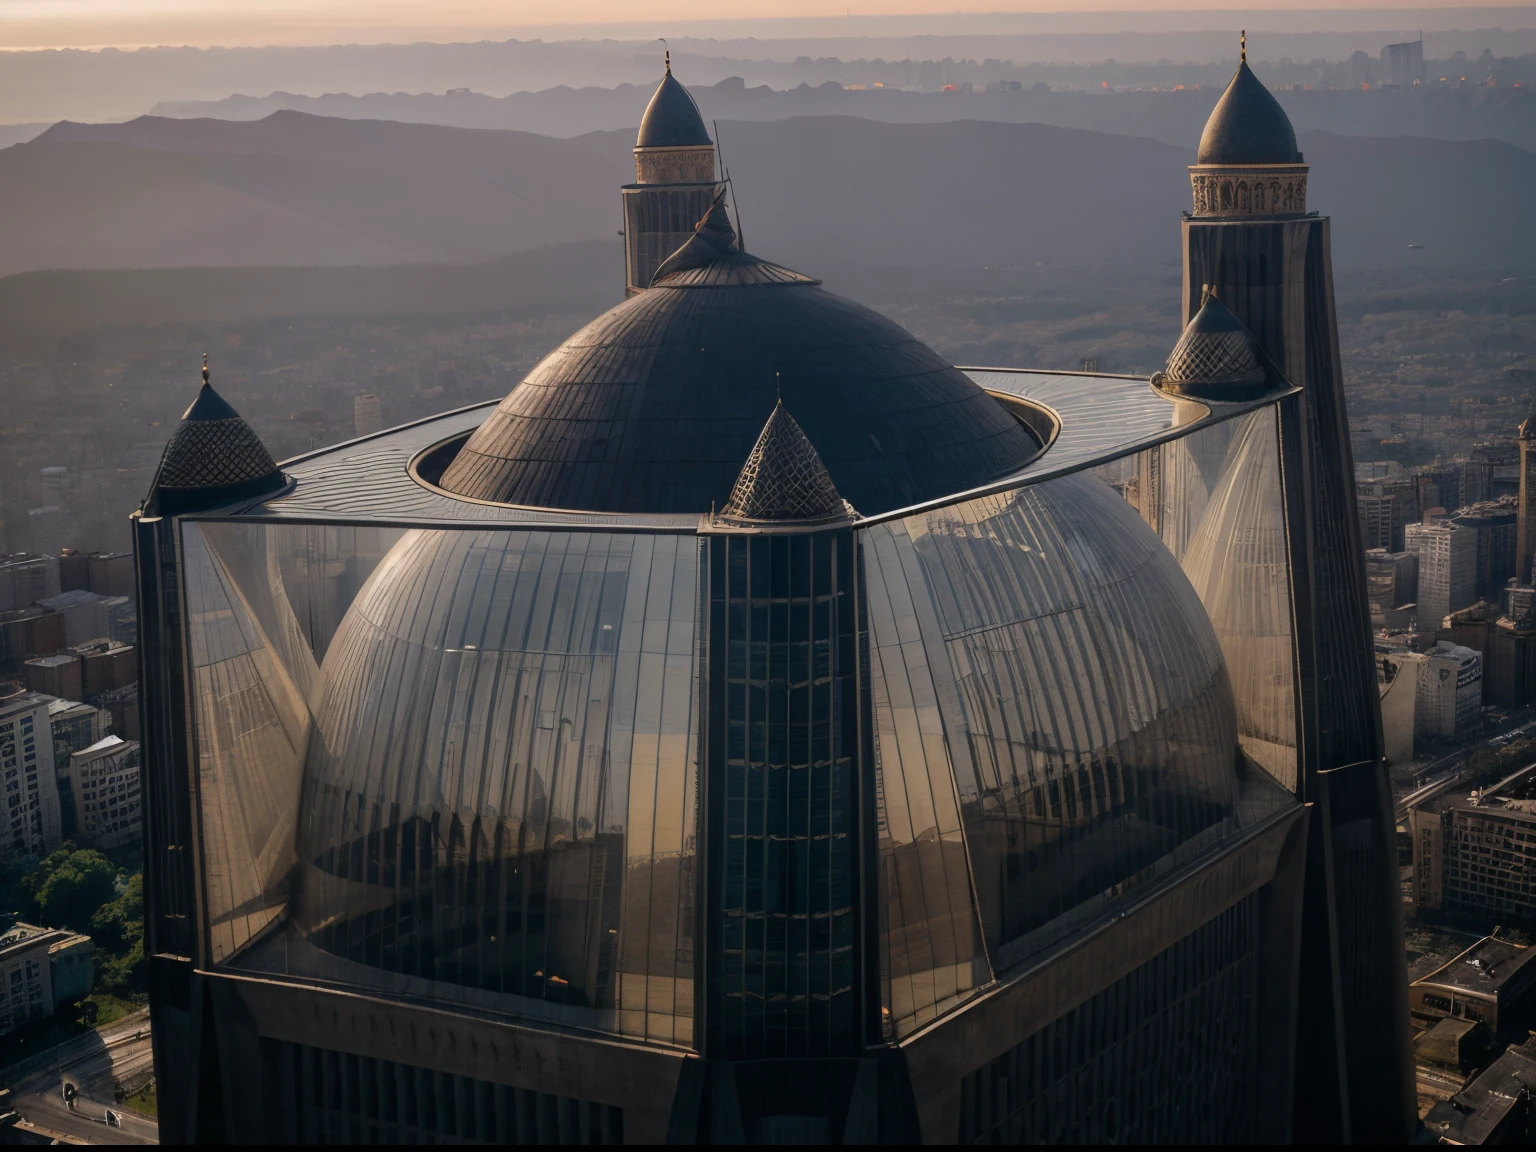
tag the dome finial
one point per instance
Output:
(205, 370)
(1242, 51)
(666, 53)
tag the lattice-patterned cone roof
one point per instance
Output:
(212, 455)
(784, 478)
(1216, 349)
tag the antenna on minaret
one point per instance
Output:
(725, 174)
(1242, 41)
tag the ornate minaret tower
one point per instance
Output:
(674, 181)
(1525, 544)
(1251, 241)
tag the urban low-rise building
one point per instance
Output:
(104, 784)
(1495, 1108)
(29, 810)
(27, 632)
(1491, 983)
(57, 674)
(89, 615)
(1474, 852)
(41, 969)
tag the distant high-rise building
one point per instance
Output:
(29, 817)
(866, 751)
(1386, 508)
(1447, 556)
(1525, 544)
(1403, 64)
(1494, 525)
(26, 578)
(367, 417)
(1392, 582)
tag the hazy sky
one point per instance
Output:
(94, 23)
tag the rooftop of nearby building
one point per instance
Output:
(20, 700)
(106, 746)
(1476, 1113)
(99, 646)
(76, 597)
(57, 660)
(1483, 969)
(1515, 795)
(21, 936)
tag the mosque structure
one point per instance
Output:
(754, 729)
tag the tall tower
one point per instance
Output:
(674, 182)
(1251, 241)
(213, 459)
(1525, 542)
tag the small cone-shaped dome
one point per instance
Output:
(1217, 356)
(213, 457)
(1528, 425)
(672, 119)
(712, 254)
(784, 478)
(1248, 126)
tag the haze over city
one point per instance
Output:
(799, 573)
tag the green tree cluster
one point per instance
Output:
(80, 889)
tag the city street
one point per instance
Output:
(1450, 765)
(93, 1063)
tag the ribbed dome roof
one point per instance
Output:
(672, 119)
(656, 405)
(1216, 353)
(1248, 126)
(213, 457)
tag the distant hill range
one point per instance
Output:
(817, 193)
(1174, 117)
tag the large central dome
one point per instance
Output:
(654, 406)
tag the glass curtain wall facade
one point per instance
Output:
(823, 789)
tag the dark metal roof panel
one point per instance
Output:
(663, 397)
(1248, 126)
(672, 119)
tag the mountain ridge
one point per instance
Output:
(814, 192)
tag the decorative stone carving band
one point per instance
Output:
(693, 164)
(1249, 189)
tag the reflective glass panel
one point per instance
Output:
(489, 759)
(1215, 499)
(1053, 697)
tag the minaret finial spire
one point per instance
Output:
(205, 369)
(1242, 41)
(666, 51)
